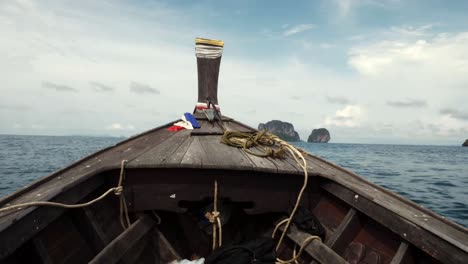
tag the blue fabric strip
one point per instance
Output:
(189, 117)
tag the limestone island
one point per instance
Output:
(320, 135)
(283, 130)
(465, 144)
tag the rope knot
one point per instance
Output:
(212, 216)
(118, 190)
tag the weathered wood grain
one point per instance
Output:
(316, 249)
(117, 248)
(161, 152)
(33, 223)
(345, 232)
(208, 128)
(421, 238)
(401, 255)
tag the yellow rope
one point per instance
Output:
(266, 142)
(272, 146)
(214, 218)
(304, 244)
(117, 191)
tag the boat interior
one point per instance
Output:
(167, 214)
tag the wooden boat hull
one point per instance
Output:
(168, 171)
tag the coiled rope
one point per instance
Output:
(272, 146)
(124, 217)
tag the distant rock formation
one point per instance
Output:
(465, 144)
(283, 130)
(320, 135)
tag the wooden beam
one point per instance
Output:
(166, 252)
(117, 248)
(345, 232)
(401, 254)
(316, 249)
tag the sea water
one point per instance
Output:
(433, 176)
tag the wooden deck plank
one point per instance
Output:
(193, 157)
(284, 165)
(207, 128)
(208, 152)
(175, 159)
(161, 152)
(217, 154)
(259, 163)
(117, 248)
(237, 126)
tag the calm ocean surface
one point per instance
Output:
(433, 176)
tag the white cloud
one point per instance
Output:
(349, 116)
(443, 55)
(298, 29)
(413, 31)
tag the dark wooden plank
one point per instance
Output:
(208, 128)
(201, 116)
(175, 159)
(61, 242)
(164, 189)
(161, 152)
(96, 227)
(259, 163)
(193, 157)
(207, 152)
(219, 155)
(402, 254)
(167, 252)
(237, 126)
(132, 255)
(117, 248)
(316, 249)
(428, 242)
(345, 232)
(87, 228)
(41, 251)
(23, 230)
(286, 167)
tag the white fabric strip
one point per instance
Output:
(205, 106)
(208, 51)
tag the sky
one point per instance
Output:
(392, 72)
